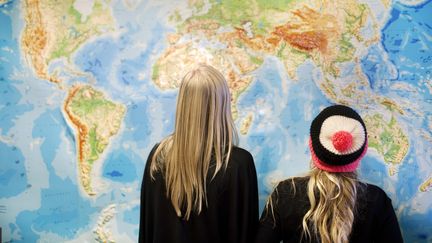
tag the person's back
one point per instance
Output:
(375, 220)
(217, 222)
(330, 204)
(197, 185)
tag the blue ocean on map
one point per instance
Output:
(13, 179)
(42, 198)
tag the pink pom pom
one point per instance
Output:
(342, 141)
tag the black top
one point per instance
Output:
(374, 221)
(230, 216)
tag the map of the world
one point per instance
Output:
(87, 87)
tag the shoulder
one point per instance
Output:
(240, 165)
(374, 193)
(240, 153)
(290, 197)
(153, 150)
(374, 197)
(291, 186)
(150, 157)
(240, 158)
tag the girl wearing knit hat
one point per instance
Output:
(330, 204)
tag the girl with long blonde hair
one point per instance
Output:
(198, 186)
(330, 204)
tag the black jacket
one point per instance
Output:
(230, 216)
(374, 220)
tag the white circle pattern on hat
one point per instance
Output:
(337, 123)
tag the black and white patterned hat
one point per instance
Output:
(338, 139)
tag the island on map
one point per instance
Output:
(427, 185)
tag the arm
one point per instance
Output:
(243, 202)
(145, 222)
(142, 224)
(269, 229)
(389, 226)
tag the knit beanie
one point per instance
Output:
(338, 139)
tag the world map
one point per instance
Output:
(88, 87)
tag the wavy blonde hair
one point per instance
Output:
(204, 130)
(332, 198)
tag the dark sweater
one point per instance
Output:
(230, 216)
(374, 221)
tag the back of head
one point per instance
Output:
(204, 130)
(338, 141)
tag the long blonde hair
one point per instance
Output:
(204, 130)
(332, 198)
